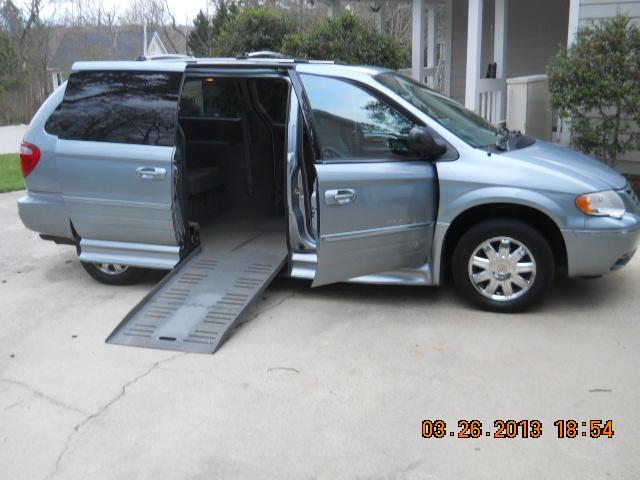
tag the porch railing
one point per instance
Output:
(431, 76)
(492, 97)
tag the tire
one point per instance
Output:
(111, 274)
(506, 284)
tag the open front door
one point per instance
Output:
(374, 217)
(376, 202)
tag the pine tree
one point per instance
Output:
(200, 40)
(205, 33)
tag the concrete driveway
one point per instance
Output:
(10, 138)
(324, 383)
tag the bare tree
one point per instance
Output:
(173, 25)
(30, 36)
(156, 14)
(82, 13)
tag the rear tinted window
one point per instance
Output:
(118, 107)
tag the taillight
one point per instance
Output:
(29, 157)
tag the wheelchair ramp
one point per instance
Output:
(196, 306)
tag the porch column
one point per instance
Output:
(474, 48)
(334, 8)
(500, 37)
(417, 40)
(564, 124)
(448, 36)
(431, 31)
(501, 21)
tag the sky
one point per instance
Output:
(184, 10)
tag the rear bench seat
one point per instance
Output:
(203, 179)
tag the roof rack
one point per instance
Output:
(269, 55)
(166, 56)
(263, 54)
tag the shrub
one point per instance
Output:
(254, 29)
(350, 39)
(596, 83)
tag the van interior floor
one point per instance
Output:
(196, 306)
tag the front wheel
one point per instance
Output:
(503, 265)
(113, 273)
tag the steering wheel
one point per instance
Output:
(331, 152)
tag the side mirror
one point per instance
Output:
(421, 141)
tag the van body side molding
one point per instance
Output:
(163, 257)
(376, 231)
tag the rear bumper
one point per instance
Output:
(45, 213)
(596, 251)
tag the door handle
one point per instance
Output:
(343, 196)
(151, 173)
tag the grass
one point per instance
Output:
(10, 174)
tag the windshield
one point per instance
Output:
(465, 124)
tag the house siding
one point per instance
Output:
(156, 47)
(594, 10)
(533, 38)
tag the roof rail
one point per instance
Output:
(267, 54)
(166, 56)
(263, 54)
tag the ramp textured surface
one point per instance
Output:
(195, 308)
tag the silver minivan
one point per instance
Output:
(347, 173)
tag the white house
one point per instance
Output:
(101, 45)
(519, 36)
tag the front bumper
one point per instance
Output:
(606, 245)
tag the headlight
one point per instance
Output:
(601, 204)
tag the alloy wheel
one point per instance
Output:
(111, 268)
(502, 269)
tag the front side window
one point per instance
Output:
(352, 123)
(463, 123)
(118, 107)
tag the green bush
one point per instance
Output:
(596, 83)
(254, 29)
(350, 39)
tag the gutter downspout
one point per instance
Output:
(144, 42)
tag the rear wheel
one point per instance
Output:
(113, 273)
(503, 265)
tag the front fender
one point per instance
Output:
(560, 208)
